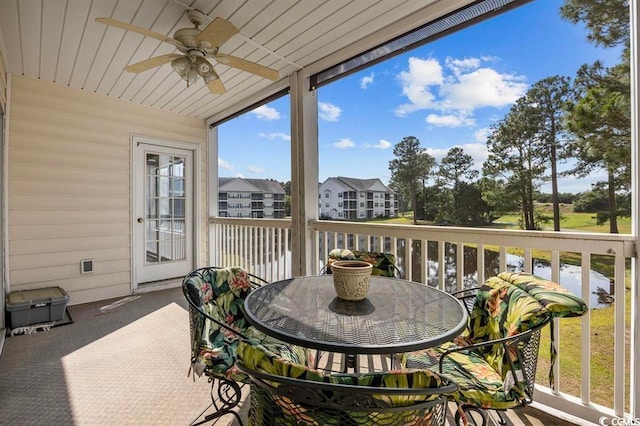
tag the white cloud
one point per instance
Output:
(416, 83)
(460, 65)
(449, 120)
(276, 135)
(484, 87)
(456, 90)
(344, 143)
(382, 144)
(256, 170)
(482, 134)
(264, 112)
(328, 112)
(477, 151)
(223, 164)
(366, 81)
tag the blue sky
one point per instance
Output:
(446, 93)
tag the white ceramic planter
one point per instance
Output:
(351, 279)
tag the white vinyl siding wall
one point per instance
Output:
(69, 186)
(3, 87)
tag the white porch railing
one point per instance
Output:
(450, 257)
(261, 246)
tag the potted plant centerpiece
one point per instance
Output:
(351, 277)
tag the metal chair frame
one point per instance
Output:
(336, 400)
(525, 345)
(228, 393)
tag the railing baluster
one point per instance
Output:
(620, 336)
(480, 264)
(424, 261)
(528, 261)
(585, 341)
(441, 265)
(459, 266)
(503, 258)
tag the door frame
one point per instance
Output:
(197, 178)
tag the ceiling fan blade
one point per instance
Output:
(244, 65)
(139, 30)
(217, 32)
(216, 87)
(151, 63)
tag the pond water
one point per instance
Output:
(601, 288)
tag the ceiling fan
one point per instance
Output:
(195, 46)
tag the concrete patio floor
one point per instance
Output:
(121, 362)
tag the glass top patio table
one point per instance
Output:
(396, 316)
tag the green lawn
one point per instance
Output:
(571, 221)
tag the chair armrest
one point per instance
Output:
(509, 342)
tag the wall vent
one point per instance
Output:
(86, 266)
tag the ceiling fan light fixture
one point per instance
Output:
(185, 68)
(203, 67)
(181, 65)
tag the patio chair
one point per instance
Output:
(286, 392)
(384, 264)
(217, 323)
(494, 361)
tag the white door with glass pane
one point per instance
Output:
(163, 203)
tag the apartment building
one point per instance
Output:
(256, 198)
(350, 198)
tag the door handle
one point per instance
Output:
(140, 220)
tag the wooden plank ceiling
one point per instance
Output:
(59, 41)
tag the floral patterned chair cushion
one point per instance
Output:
(485, 374)
(221, 293)
(557, 299)
(479, 384)
(256, 357)
(501, 310)
(384, 264)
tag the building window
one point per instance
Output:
(361, 204)
(339, 194)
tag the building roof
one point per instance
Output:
(252, 185)
(356, 184)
